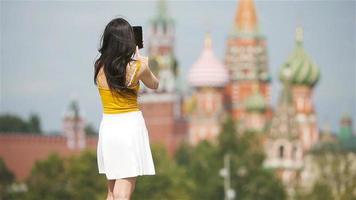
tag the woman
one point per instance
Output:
(123, 150)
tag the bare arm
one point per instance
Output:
(145, 74)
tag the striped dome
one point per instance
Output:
(208, 71)
(255, 102)
(300, 69)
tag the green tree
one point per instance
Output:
(84, 182)
(204, 166)
(34, 124)
(90, 130)
(320, 191)
(69, 178)
(6, 179)
(335, 174)
(170, 182)
(13, 123)
(48, 180)
(76, 177)
(249, 178)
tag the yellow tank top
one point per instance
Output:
(119, 103)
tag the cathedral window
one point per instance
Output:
(281, 152)
(294, 153)
(164, 28)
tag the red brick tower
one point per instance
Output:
(73, 127)
(162, 108)
(246, 59)
(283, 146)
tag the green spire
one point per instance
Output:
(162, 17)
(74, 108)
(162, 9)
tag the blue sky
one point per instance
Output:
(48, 49)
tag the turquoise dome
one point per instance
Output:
(300, 69)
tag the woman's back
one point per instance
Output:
(131, 71)
(114, 102)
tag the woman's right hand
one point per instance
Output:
(145, 74)
(139, 57)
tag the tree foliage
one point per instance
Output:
(335, 175)
(90, 130)
(84, 182)
(76, 177)
(6, 179)
(170, 182)
(68, 178)
(48, 180)
(13, 123)
(249, 178)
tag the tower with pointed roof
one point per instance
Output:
(246, 59)
(74, 127)
(304, 74)
(162, 107)
(161, 50)
(207, 76)
(283, 145)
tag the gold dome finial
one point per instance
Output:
(208, 40)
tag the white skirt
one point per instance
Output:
(123, 148)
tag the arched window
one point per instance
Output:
(165, 28)
(281, 151)
(294, 153)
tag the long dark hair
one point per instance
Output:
(117, 48)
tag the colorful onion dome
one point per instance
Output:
(255, 102)
(208, 71)
(300, 69)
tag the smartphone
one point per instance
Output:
(138, 36)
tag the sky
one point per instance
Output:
(48, 49)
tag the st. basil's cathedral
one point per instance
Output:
(239, 85)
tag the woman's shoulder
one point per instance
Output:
(101, 78)
(132, 67)
(138, 66)
(140, 61)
